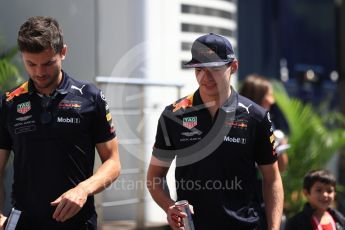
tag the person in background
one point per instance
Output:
(259, 89)
(53, 123)
(319, 187)
(217, 137)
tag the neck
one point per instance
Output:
(319, 214)
(46, 91)
(50, 89)
(214, 102)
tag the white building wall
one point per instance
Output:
(76, 18)
(126, 38)
(163, 47)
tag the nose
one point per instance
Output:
(207, 75)
(41, 70)
(325, 194)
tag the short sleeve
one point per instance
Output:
(264, 142)
(103, 128)
(5, 140)
(163, 148)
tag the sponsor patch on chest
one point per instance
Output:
(236, 140)
(69, 120)
(66, 104)
(190, 122)
(23, 108)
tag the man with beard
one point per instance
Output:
(53, 123)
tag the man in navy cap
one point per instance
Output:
(217, 137)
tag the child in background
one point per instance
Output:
(319, 188)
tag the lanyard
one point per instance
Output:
(319, 227)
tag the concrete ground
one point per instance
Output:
(130, 225)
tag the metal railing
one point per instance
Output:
(142, 83)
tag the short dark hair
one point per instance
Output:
(39, 33)
(322, 176)
(255, 87)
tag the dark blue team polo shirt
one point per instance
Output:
(216, 158)
(55, 154)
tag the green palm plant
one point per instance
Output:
(314, 138)
(9, 73)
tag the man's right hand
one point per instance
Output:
(2, 221)
(175, 217)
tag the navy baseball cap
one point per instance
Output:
(211, 50)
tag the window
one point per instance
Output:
(186, 46)
(188, 9)
(206, 29)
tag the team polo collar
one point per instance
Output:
(229, 105)
(65, 83)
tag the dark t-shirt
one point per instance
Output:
(216, 157)
(53, 140)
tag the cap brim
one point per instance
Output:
(193, 64)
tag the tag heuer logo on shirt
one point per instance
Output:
(190, 122)
(23, 108)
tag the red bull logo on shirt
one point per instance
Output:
(184, 103)
(24, 88)
(241, 124)
(69, 104)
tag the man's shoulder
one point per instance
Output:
(181, 105)
(18, 91)
(248, 106)
(83, 89)
(82, 86)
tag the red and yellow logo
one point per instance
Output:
(237, 124)
(272, 138)
(24, 88)
(67, 105)
(184, 103)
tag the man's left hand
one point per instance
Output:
(69, 203)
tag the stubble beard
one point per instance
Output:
(52, 82)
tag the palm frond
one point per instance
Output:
(314, 139)
(9, 76)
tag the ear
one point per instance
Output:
(234, 66)
(63, 52)
(305, 192)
